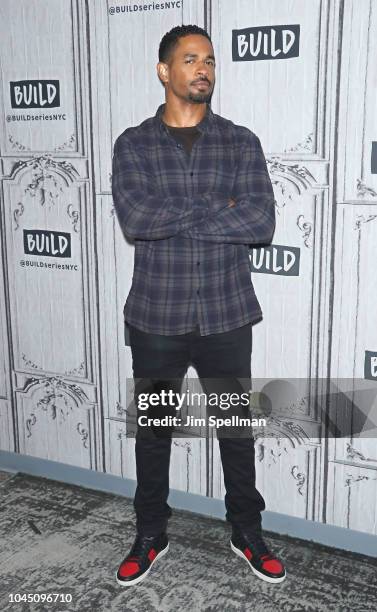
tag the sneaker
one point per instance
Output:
(249, 544)
(144, 553)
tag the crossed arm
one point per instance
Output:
(247, 217)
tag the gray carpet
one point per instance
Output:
(58, 538)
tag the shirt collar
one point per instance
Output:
(204, 125)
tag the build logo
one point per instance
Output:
(34, 94)
(265, 43)
(275, 259)
(48, 243)
(370, 365)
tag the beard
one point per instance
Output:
(199, 98)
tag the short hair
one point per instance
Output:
(170, 40)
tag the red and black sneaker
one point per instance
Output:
(249, 544)
(143, 554)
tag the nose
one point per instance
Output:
(203, 71)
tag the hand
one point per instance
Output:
(231, 203)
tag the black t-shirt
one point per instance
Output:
(185, 135)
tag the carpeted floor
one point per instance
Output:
(58, 538)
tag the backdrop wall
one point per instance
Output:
(74, 75)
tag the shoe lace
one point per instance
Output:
(257, 544)
(140, 547)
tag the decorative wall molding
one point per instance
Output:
(353, 453)
(80, 370)
(29, 424)
(304, 145)
(300, 477)
(18, 146)
(351, 479)
(285, 435)
(360, 219)
(30, 363)
(292, 431)
(75, 371)
(306, 228)
(121, 412)
(17, 213)
(290, 179)
(49, 178)
(59, 399)
(363, 190)
(43, 168)
(70, 143)
(84, 434)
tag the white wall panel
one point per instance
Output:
(57, 421)
(47, 303)
(352, 497)
(357, 102)
(39, 43)
(48, 235)
(281, 100)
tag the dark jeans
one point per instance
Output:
(223, 355)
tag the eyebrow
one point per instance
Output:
(196, 55)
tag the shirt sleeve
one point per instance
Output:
(252, 219)
(142, 212)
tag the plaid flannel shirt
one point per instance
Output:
(191, 259)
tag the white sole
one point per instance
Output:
(259, 574)
(140, 578)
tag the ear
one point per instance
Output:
(163, 72)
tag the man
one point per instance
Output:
(192, 189)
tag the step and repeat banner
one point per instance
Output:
(300, 74)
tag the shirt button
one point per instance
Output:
(191, 174)
(197, 291)
(198, 263)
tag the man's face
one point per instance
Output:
(190, 73)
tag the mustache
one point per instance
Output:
(201, 81)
